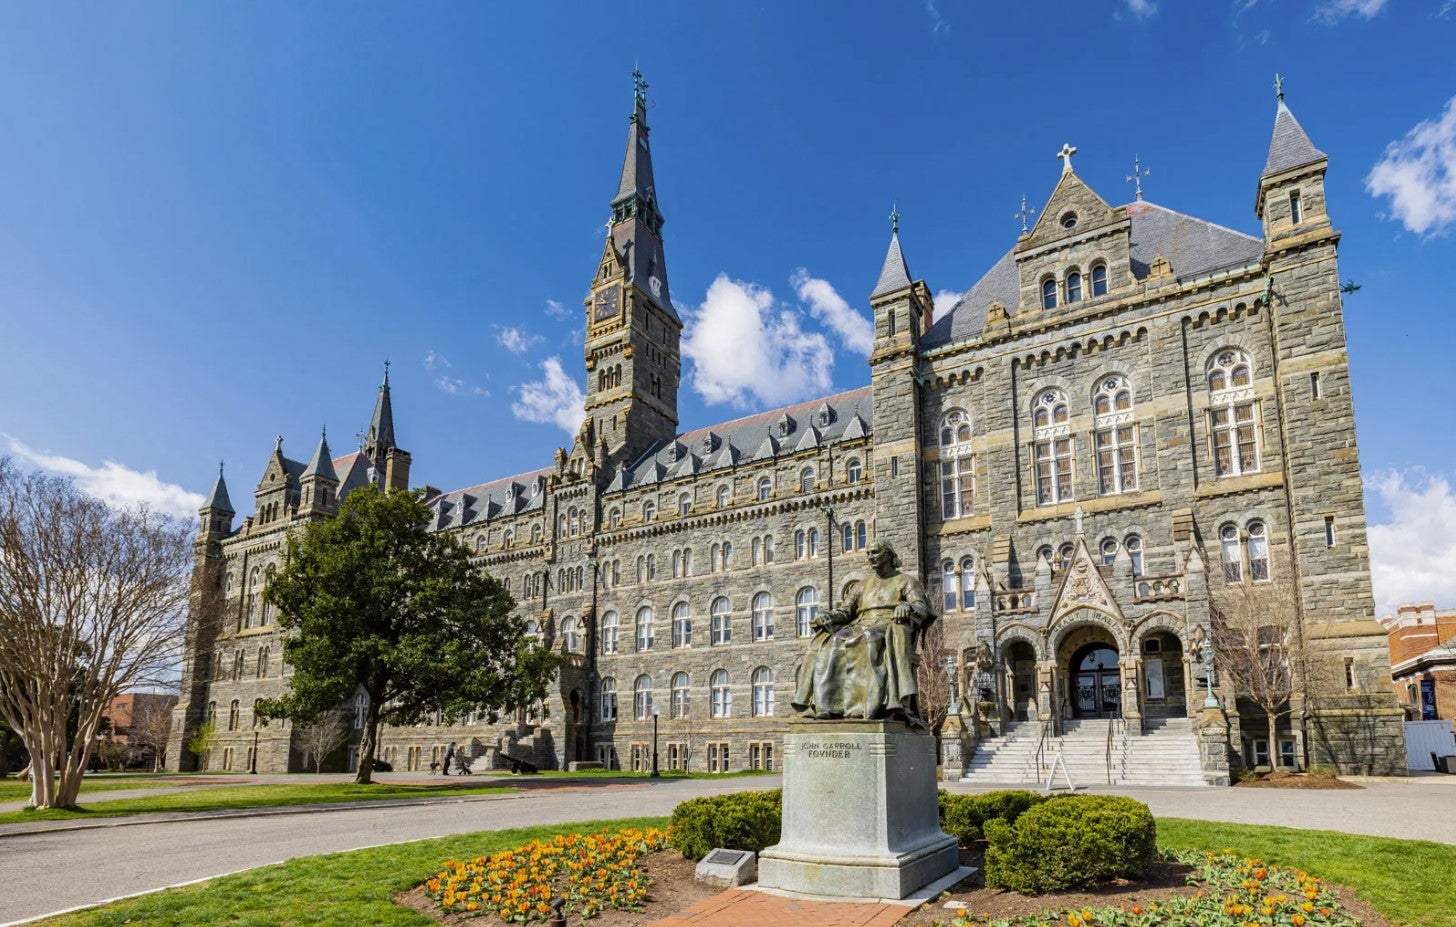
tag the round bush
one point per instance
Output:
(739, 821)
(965, 816)
(1073, 842)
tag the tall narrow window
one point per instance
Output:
(1099, 280)
(1296, 208)
(854, 471)
(1329, 531)
(1258, 552)
(957, 466)
(721, 620)
(768, 548)
(1349, 672)
(1233, 561)
(1064, 557)
(800, 545)
(1052, 447)
(806, 480)
(1233, 414)
(723, 497)
(813, 542)
(763, 617)
(649, 510)
(968, 583)
(765, 489)
(609, 699)
(1049, 293)
(948, 585)
(642, 698)
(644, 628)
(684, 504)
(1074, 287)
(763, 692)
(678, 707)
(1134, 547)
(861, 535)
(846, 532)
(806, 610)
(610, 630)
(1314, 385)
(1109, 551)
(721, 695)
(682, 626)
(1115, 437)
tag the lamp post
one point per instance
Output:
(655, 773)
(829, 545)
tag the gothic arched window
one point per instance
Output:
(1052, 447)
(1049, 293)
(1233, 414)
(1115, 436)
(723, 497)
(1134, 547)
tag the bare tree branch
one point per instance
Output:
(323, 735)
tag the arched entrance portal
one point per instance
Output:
(1096, 682)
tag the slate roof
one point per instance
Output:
(1194, 248)
(509, 496)
(322, 464)
(1290, 146)
(765, 435)
(218, 498)
(894, 275)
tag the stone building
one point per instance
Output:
(1131, 409)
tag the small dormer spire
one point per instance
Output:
(322, 464)
(893, 275)
(218, 500)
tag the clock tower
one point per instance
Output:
(633, 360)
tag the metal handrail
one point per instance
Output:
(1112, 724)
(1041, 744)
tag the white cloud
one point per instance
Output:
(556, 310)
(1418, 173)
(1142, 8)
(556, 398)
(945, 300)
(1413, 556)
(937, 22)
(855, 331)
(113, 483)
(1332, 11)
(516, 340)
(435, 361)
(746, 348)
(438, 365)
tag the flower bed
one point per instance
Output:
(589, 873)
(1232, 891)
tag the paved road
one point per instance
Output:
(148, 856)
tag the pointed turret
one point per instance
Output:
(320, 481)
(894, 275)
(322, 464)
(217, 500)
(637, 183)
(636, 226)
(381, 427)
(1291, 196)
(1289, 147)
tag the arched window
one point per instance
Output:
(1108, 551)
(682, 626)
(806, 480)
(1258, 552)
(610, 629)
(642, 698)
(763, 692)
(609, 699)
(1052, 448)
(1064, 556)
(570, 636)
(651, 567)
(263, 653)
(644, 628)
(765, 489)
(256, 712)
(1232, 556)
(1049, 293)
(955, 428)
(727, 560)
(957, 466)
(532, 630)
(813, 542)
(763, 617)
(800, 544)
(846, 536)
(948, 585)
(968, 583)
(678, 706)
(768, 548)
(649, 510)
(853, 471)
(1074, 287)
(641, 568)
(1233, 414)
(806, 610)
(722, 696)
(614, 518)
(676, 564)
(724, 496)
(685, 503)
(722, 621)
(861, 535)
(573, 522)
(757, 551)
(1115, 437)
(1099, 279)
(1134, 547)
(1044, 554)
(233, 715)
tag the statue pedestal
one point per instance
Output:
(861, 817)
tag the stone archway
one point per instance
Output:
(1094, 679)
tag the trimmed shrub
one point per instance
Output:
(964, 816)
(739, 821)
(1073, 842)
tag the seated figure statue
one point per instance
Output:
(861, 660)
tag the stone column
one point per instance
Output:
(1132, 712)
(1188, 690)
(1046, 696)
(1213, 749)
(957, 746)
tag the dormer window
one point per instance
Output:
(1069, 220)
(1049, 293)
(1296, 211)
(1099, 280)
(1074, 287)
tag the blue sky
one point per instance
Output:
(216, 221)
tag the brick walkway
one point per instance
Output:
(739, 908)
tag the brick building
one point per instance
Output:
(1423, 660)
(1129, 409)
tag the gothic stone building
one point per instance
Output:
(1130, 410)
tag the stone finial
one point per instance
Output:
(1068, 149)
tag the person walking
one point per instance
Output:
(449, 758)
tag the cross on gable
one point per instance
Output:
(1025, 214)
(1065, 154)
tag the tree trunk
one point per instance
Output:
(367, 743)
(1273, 740)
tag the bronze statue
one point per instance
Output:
(861, 660)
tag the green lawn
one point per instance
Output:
(1409, 881)
(253, 796)
(345, 889)
(14, 790)
(623, 774)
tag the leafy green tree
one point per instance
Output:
(202, 741)
(369, 600)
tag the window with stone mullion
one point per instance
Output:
(1116, 459)
(956, 487)
(1053, 461)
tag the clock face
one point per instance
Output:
(606, 304)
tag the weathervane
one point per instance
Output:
(1068, 149)
(1025, 214)
(639, 87)
(894, 219)
(1279, 87)
(1136, 177)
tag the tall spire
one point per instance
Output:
(637, 188)
(1290, 147)
(218, 500)
(322, 464)
(635, 229)
(894, 275)
(381, 428)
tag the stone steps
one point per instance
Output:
(1166, 755)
